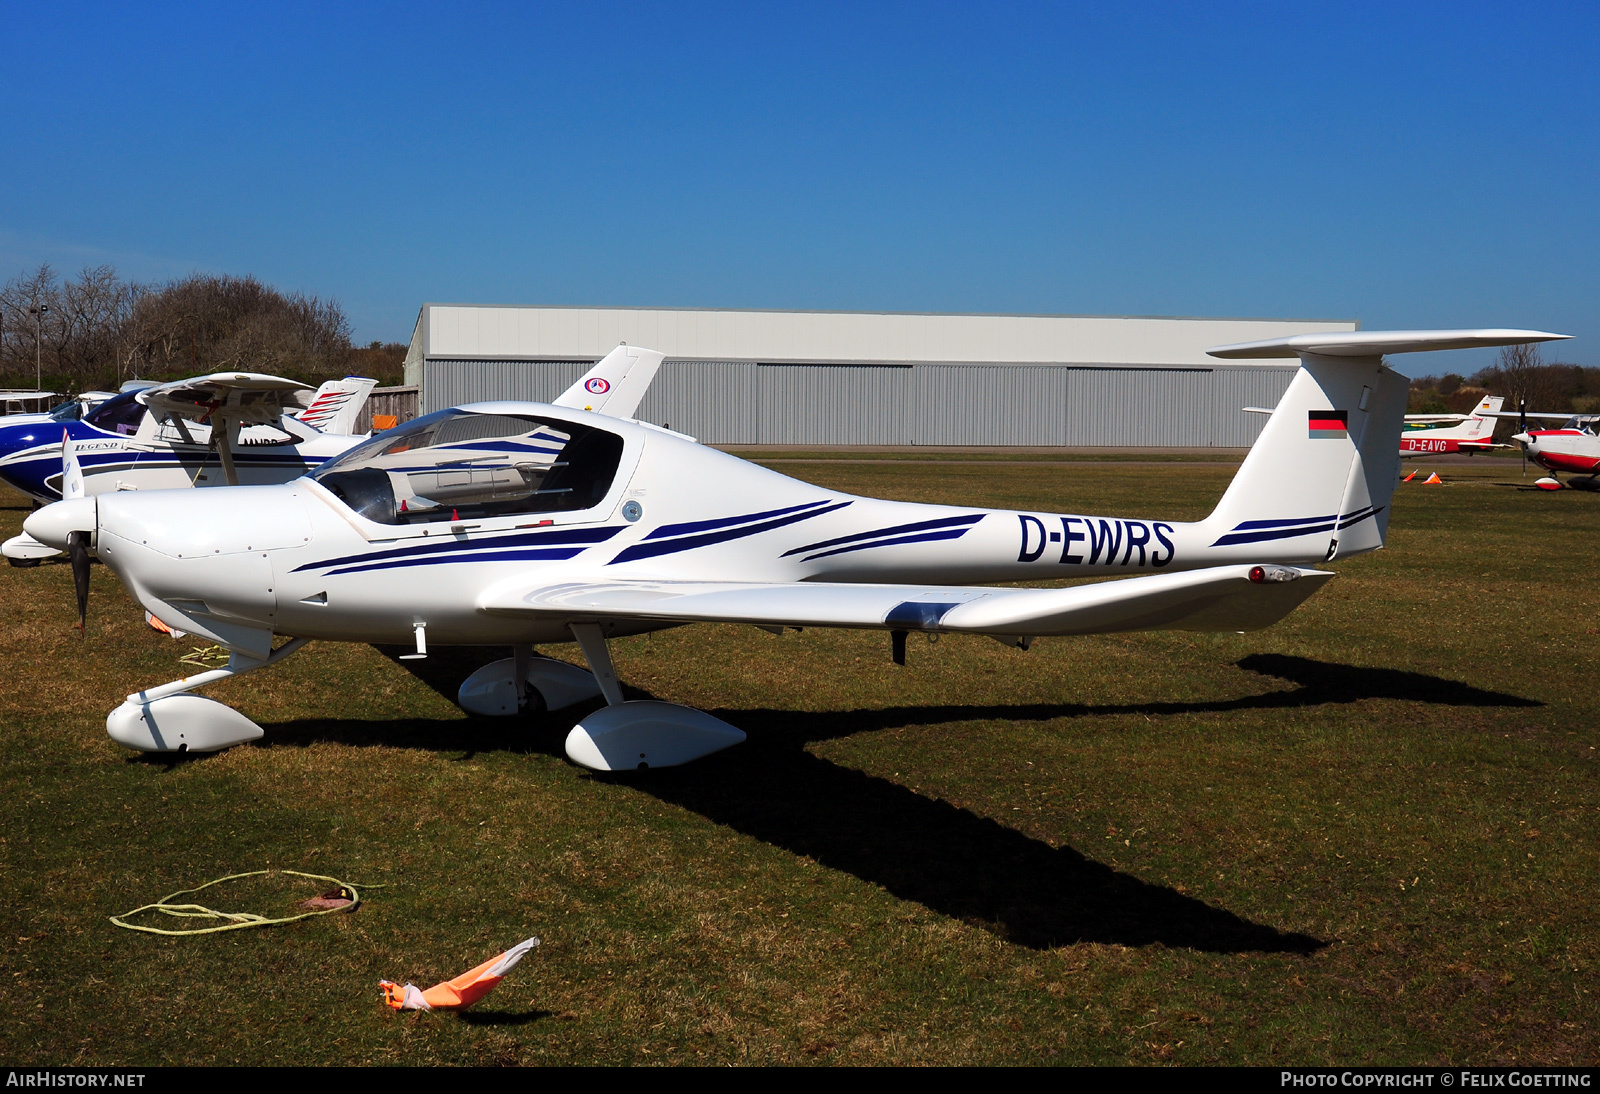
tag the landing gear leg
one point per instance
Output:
(593, 643)
(169, 719)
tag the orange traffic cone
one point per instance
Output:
(1409, 477)
(1433, 480)
(463, 991)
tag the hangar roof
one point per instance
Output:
(508, 332)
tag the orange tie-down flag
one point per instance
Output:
(463, 991)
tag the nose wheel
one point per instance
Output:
(169, 719)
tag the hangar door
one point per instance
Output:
(1136, 407)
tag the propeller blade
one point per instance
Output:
(1522, 431)
(78, 553)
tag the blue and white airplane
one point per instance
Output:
(159, 436)
(223, 429)
(515, 524)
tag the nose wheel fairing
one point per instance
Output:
(169, 719)
(180, 723)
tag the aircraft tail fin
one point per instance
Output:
(1480, 427)
(1325, 467)
(617, 383)
(337, 404)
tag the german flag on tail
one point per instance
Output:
(1329, 425)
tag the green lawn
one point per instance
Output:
(1366, 835)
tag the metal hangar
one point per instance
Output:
(875, 378)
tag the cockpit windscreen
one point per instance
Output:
(119, 414)
(458, 465)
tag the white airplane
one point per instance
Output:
(513, 524)
(74, 408)
(222, 429)
(1573, 447)
(1441, 434)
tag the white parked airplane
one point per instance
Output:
(1443, 434)
(521, 523)
(227, 428)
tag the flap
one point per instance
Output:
(1220, 598)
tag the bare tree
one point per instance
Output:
(1519, 367)
(99, 329)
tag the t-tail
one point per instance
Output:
(1321, 475)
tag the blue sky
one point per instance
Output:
(1405, 165)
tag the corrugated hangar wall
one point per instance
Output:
(748, 402)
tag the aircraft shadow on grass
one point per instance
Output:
(478, 1016)
(948, 859)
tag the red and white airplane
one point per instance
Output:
(1574, 448)
(1442, 434)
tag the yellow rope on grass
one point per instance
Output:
(237, 920)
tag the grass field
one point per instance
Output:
(1366, 835)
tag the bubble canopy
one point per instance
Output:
(461, 464)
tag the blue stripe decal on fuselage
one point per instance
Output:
(1243, 525)
(1262, 531)
(667, 530)
(552, 554)
(943, 522)
(688, 543)
(1263, 536)
(585, 536)
(924, 537)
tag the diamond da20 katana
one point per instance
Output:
(518, 524)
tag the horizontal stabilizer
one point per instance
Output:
(1554, 416)
(1221, 598)
(1379, 343)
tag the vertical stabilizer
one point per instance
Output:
(1480, 426)
(337, 405)
(617, 383)
(1321, 475)
(1312, 468)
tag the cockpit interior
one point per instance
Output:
(457, 465)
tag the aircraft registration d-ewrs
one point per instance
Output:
(515, 524)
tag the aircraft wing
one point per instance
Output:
(1559, 416)
(249, 397)
(1219, 598)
